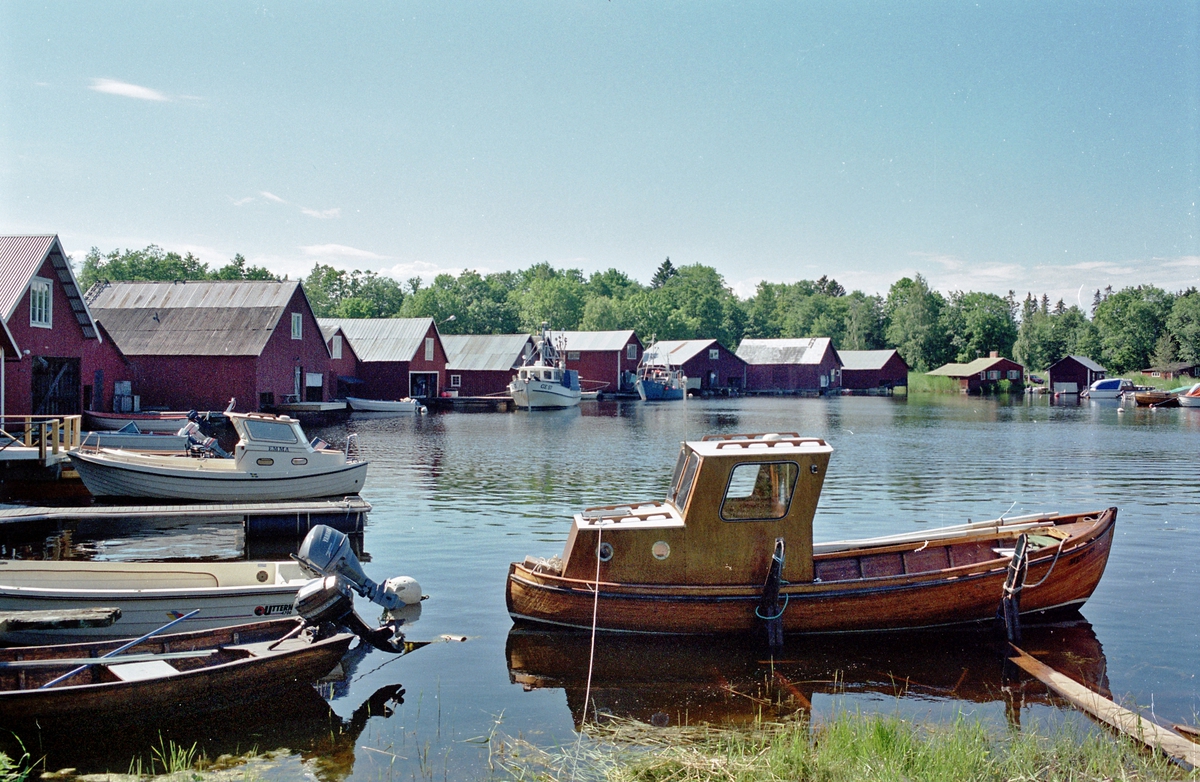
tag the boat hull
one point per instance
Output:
(249, 678)
(1189, 401)
(107, 476)
(651, 391)
(947, 596)
(383, 405)
(146, 422)
(539, 395)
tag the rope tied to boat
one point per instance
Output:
(786, 598)
(1053, 562)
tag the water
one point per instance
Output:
(457, 497)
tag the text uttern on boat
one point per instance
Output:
(701, 560)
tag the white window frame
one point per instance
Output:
(335, 347)
(714, 354)
(572, 355)
(993, 374)
(1014, 374)
(456, 381)
(429, 348)
(297, 326)
(631, 352)
(41, 315)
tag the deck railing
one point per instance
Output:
(50, 434)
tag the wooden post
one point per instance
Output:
(1014, 581)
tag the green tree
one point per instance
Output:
(666, 270)
(1129, 323)
(150, 265)
(914, 326)
(1184, 325)
(979, 323)
(237, 269)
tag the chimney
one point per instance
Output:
(994, 354)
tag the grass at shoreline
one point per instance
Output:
(921, 383)
(847, 747)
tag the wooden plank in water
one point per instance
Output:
(67, 618)
(352, 505)
(1124, 720)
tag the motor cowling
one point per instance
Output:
(330, 601)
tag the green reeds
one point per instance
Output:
(921, 383)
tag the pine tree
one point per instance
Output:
(665, 272)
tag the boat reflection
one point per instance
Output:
(672, 680)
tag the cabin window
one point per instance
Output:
(335, 348)
(456, 381)
(683, 488)
(714, 354)
(1014, 374)
(271, 430)
(993, 374)
(759, 491)
(297, 326)
(631, 352)
(547, 374)
(39, 303)
(572, 355)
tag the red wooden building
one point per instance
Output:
(397, 357)
(1073, 374)
(872, 371)
(55, 359)
(483, 364)
(983, 375)
(790, 366)
(607, 361)
(710, 367)
(196, 345)
(343, 361)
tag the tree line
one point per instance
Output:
(1126, 330)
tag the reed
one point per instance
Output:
(921, 383)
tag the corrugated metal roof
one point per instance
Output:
(20, 259)
(382, 339)
(865, 359)
(964, 370)
(591, 340)
(327, 331)
(675, 352)
(486, 352)
(1088, 363)
(218, 318)
(809, 350)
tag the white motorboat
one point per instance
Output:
(405, 405)
(272, 461)
(149, 594)
(1109, 388)
(544, 382)
(1191, 398)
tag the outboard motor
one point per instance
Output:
(327, 552)
(329, 601)
(199, 441)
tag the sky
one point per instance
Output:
(1045, 147)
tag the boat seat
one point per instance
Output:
(136, 672)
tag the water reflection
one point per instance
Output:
(663, 680)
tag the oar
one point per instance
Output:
(118, 650)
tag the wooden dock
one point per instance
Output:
(295, 517)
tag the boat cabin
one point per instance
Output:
(276, 443)
(731, 497)
(568, 378)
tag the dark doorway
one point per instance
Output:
(422, 385)
(55, 386)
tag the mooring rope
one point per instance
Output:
(587, 693)
(1054, 562)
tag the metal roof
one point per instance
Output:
(1086, 362)
(486, 352)
(592, 340)
(809, 350)
(20, 259)
(210, 318)
(965, 370)
(865, 359)
(675, 352)
(382, 339)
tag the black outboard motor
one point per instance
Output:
(328, 601)
(327, 552)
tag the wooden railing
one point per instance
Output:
(50, 434)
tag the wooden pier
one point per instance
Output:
(261, 518)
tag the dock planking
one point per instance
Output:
(58, 619)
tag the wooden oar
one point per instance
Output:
(86, 661)
(118, 650)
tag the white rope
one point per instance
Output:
(587, 693)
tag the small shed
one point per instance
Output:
(483, 364)
(983, 375)
(1073, 374)
(197, 344)
(790, 366)
(397, 357)
(343, 361)
(710, 367)
(54, 359)
(873, 371)
(606, 361)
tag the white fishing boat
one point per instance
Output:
(148, 594)
(405, 405)
(544, 382)
(272, 461)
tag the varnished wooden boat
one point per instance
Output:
(700, 561)
(166, 674)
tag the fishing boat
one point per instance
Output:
(1109, 388)
(147, 593)
(1191, 398)
(273, 460)
(659, 382)
(406, 405)
(731, 550)
(544, 382)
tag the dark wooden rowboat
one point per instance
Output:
(198, 671)
(700, 561)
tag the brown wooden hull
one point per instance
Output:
(954, 594)
(225, 679)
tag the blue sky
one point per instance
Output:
(1035, 146)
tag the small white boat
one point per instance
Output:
(149, 594)
(1109, 388)
(544, 383)
(1191, 398)
(405, 405)
(131, 438)
(272, 461)
(170, 421)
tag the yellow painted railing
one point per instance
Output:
(50, 434)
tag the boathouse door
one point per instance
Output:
(55, 386)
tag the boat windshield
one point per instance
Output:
(273, 431)
(685, 472)
(759, 491)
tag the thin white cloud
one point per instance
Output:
(423, 269)
(322, 215)
(241, 201)
(127, 90)
(340, 251)
(1186, 262)
(271, 197)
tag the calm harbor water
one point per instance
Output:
(457, 497)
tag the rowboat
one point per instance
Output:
(544, 382)
(273, 460)
(405, 405)
(730, 550)
(148, 594)
(148, 421)
(195, 671)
